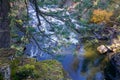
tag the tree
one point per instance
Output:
(4, 24)
(79, 11)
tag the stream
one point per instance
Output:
(80, 60)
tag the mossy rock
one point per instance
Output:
(23, 68)
(32, 70)
(49, 70)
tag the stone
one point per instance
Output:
(102, 49)
(43, 70)
(5, 71)
(112, 71)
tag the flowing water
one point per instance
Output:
(81, 61)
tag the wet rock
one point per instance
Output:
(112, 71)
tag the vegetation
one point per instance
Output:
(51, 24)
(86, 13)
(101, 16)
(27, 68)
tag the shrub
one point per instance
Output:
(99, 16)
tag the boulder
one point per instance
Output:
(114, 47)
(22, 68)
(112, 71)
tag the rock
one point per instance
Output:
(50, 70)
(22, 68)
(5, 71)
(102, 49)
(112, 71)
(114, 47)
(43, 70)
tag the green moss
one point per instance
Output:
(49, 70)
(43, 70)
(23, 68)
(24, 72)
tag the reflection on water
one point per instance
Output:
(84, 66)
(81, 64)
(72, 65)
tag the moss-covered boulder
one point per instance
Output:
(49, 70)
(43, 70)
(22, 68)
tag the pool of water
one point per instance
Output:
(86, 65)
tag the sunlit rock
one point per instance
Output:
(102, 49)
(115, 45)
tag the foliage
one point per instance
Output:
(48, 69)
(101, 16)
(24, 72)
(54, 24)
(18, 18)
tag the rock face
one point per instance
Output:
(22, 68)
(112, 71)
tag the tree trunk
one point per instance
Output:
(4, 24)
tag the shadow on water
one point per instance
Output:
(84, 66)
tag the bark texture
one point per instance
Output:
(4, 24)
